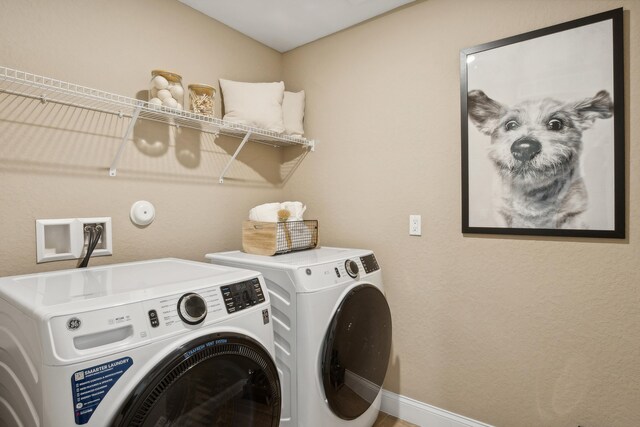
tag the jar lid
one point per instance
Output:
(201, 86)
(202, 89)
(172, 77)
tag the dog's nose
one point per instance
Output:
(525, 149)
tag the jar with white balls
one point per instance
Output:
(166, 90)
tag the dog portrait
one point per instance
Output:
(535, 149)
(543, 132)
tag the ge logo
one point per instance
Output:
(73, 323)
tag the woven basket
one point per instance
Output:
(274, 238)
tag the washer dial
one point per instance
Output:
(192, 308)
(352, 268)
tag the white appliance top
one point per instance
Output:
(310, 270)
(111, 285)
(293, 260)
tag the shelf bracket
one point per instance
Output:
(224, 171)
(114, 164)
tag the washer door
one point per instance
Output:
(356, 352)
(215, 380)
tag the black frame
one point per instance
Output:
(616, 17)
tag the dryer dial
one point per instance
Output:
(352, 268)
(192, 308)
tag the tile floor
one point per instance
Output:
(386, 420)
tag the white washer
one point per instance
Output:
(153, 343)
(332, 329)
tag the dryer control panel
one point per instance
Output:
(369, 263)
(321, 276)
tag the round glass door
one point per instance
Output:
(356, 352)
(217, 380)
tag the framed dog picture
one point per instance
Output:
(543, 132)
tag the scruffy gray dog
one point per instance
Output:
(535, 148)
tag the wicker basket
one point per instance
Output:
(274, 238)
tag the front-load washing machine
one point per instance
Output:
(153, 343)
(332, 329)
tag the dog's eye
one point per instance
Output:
(555, 124)
(511, 125)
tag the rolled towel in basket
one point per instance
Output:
(267, 212)
(296, 210)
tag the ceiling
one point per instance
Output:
(286, 24)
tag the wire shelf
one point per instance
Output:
(47, 89)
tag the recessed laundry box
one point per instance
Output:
(153, 343)
(332, 332)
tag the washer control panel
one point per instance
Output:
(352, 268)
(192, 308)
(369, 263)
(185, 309)
(153, 318)
(90, 333)
(239, 296)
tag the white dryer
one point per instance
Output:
(153, 343)
(332, 329)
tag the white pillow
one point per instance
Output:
(254, 104)
(293, 113)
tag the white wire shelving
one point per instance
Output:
(46, 89)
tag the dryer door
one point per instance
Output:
(356, 351)
(215, 380)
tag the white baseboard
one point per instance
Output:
(423, 414)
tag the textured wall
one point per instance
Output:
(54, 159)
(513, 331)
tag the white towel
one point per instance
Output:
(267, 212)
(296, 210)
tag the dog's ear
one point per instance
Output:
(483, 111)
(590, 109)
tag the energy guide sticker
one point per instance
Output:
(89, 386)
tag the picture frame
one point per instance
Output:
(543, 133)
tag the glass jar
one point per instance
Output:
(166, 90)
(201, 98)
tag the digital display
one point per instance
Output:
(369, 263)
(241, 295)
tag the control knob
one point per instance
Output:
(352, 268)
(192, 308)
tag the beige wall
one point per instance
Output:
(511, 331)
(54, 159)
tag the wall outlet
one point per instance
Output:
(415, 225)
(59, 239)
